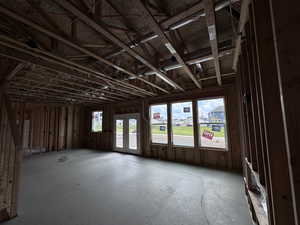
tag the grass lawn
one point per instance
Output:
(132, 129)
(97, 127)
(186, 131)
(216, 133)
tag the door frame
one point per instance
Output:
(125, 118)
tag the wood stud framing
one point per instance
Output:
(264, 113)
(268, 161)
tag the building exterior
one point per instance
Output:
(217, 115)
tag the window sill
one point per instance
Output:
(159, 144)
(96, 132)
(179, 146)
(191, 147)
(213, 149)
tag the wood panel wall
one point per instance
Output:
(43, 128)
(230, 159)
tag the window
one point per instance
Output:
(97, 121)
(212, 123)
(159, 124)
(182, 124)
(133, 134)
(119, 133)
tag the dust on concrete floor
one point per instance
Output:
(85, 187)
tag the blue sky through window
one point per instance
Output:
(178, 110)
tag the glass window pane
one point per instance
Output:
(182, 124)
(159, 124)
(97, 121)
(212, 123)
(133, 134)
(119, 133)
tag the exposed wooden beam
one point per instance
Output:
(182, 15)
(63, 62)
(38, 95)
(65, 40)
(243, 20)
(100, 29)
(9, 76)
(62, 87)
(65, 93)
(51, 23)
(76, 86)
(212, 31)
(174, 22)
(164, 39)
(68, 72)
(59, 78)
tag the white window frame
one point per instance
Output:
(150, 130)
(171, 125)
(126, 148)
(225, 124)
(92, 122)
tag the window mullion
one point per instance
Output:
(196, 125)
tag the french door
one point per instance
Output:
(127, 133)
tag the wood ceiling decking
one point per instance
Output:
(102, 51)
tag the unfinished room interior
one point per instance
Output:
(149, 112)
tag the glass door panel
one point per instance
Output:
(127, 133)
(119, 133)
(133, 129)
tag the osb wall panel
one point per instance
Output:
(230, 159)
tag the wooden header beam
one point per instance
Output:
(10, 75)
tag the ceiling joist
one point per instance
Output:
(67, 5)
(212, 32)
(164, 39)
(66, 41)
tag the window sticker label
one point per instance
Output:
(162, 128)
(186, 109)
(156, 116)
(207, 134)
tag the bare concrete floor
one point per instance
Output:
(84, 187)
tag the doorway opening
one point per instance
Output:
(127, 133)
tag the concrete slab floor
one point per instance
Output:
(85, 187)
